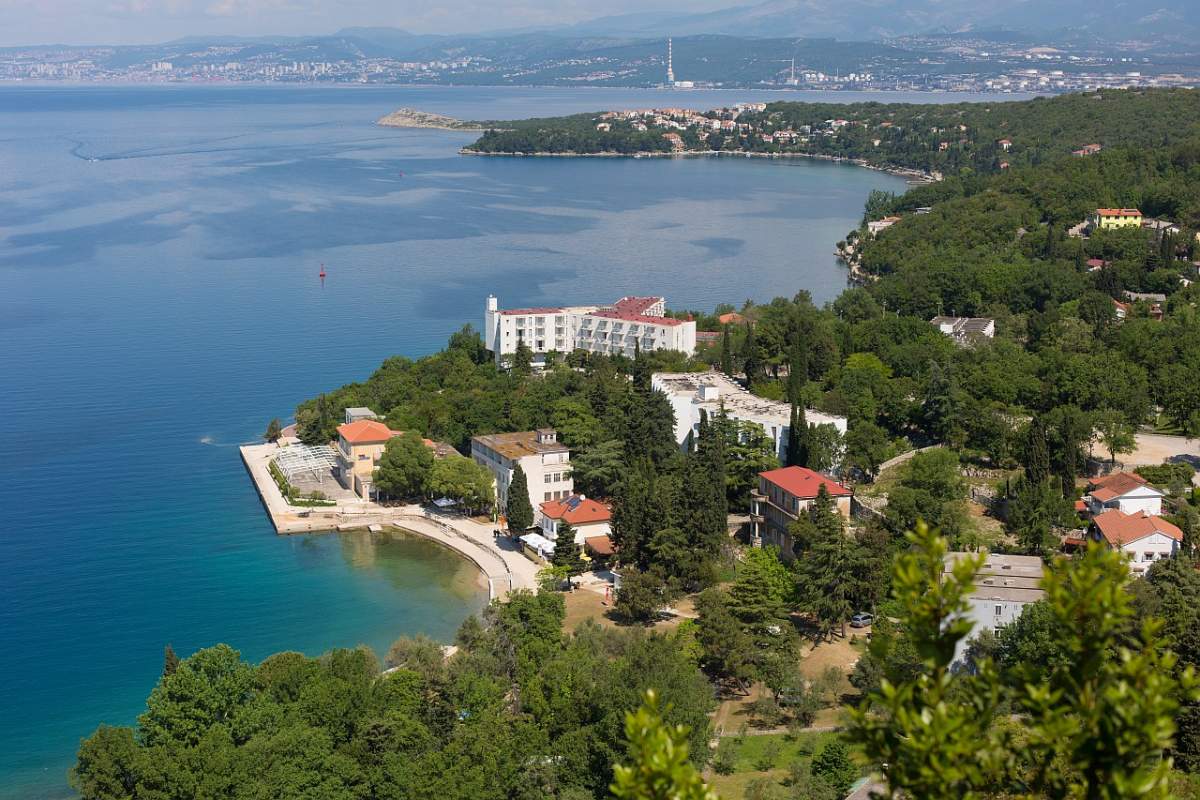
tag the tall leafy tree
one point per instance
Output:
(1037, 453)
(518, 511)
(404, 467)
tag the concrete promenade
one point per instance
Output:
(502, 563)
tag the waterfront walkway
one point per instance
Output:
(502, 562)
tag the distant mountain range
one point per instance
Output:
(1106, 20)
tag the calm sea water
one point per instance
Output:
(159, 302)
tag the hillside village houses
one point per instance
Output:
(611, 330)
(693, 392)
(1125, 511)
(545, 461)
(782, 495)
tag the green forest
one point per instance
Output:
(906, 135)
(1080, 698)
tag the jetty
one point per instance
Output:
(503, 563)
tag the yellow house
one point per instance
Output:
(359, 446)
(1111, 218)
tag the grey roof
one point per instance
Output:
(1005, 577)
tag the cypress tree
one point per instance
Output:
(522, 364)
(704, 494)
(727, 352)
(1037, 453)
(633, 513)
(752, 365)
(517, 508)
(797, 441)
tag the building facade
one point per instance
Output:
(1004, 586)
(1127, 492)
(1111, 218)
(359, 445)
(587, 517)
(782, 496)
(545, 461)
(1143, 538)
(615, 329)
(693, 392)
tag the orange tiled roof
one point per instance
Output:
(1115, 485)
(1118, 528)
(577, 510)
(365, 431)
(1118, 212)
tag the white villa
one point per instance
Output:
(1143, 538)
(611, 330)
(1127, 492)
(692, 392)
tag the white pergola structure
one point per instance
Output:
(303, 459)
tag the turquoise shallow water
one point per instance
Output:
(159, 302)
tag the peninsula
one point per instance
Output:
(413, 118)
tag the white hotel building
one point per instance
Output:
(693, 392)
(611, 330)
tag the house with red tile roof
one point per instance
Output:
(1143, 538)
(1127, 492)
(359, 446)
(783, 495)
(587, 517)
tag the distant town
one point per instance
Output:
(908, 64)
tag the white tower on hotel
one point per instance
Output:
(670, 68)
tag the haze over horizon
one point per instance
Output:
(128, 22)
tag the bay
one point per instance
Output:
(159, 303)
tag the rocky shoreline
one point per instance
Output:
(912, 175)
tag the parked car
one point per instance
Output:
(862, 620)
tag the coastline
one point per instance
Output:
(913, 175)
(504, 570)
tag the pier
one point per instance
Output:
(503, 564)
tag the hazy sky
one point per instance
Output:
(145, 21)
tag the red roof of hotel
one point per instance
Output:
(577, 510)
(1118, 528)
(1118, 212)
(531, 311)
(732, 316)
(803, 482)
(365, 431)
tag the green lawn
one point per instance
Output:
(781, 749)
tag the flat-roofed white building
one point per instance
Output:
(1003, 587)
(693, 392)
(615, 329)
(545, 461)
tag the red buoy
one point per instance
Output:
(322, 271)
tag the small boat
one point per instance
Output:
(322, 273)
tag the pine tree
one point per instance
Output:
(823, 572)
(517, 508)
(566, 552)
(941, 404)
(632, 513)
(170, 661)
(704, 495)
(727, 351)
(522, 363)
(274, 431)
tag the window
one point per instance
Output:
(1147, 556)
(999, 610)
(547, 497)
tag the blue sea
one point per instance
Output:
(159, 303)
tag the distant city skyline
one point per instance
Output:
(132, 22)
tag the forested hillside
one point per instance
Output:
(947, 138)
